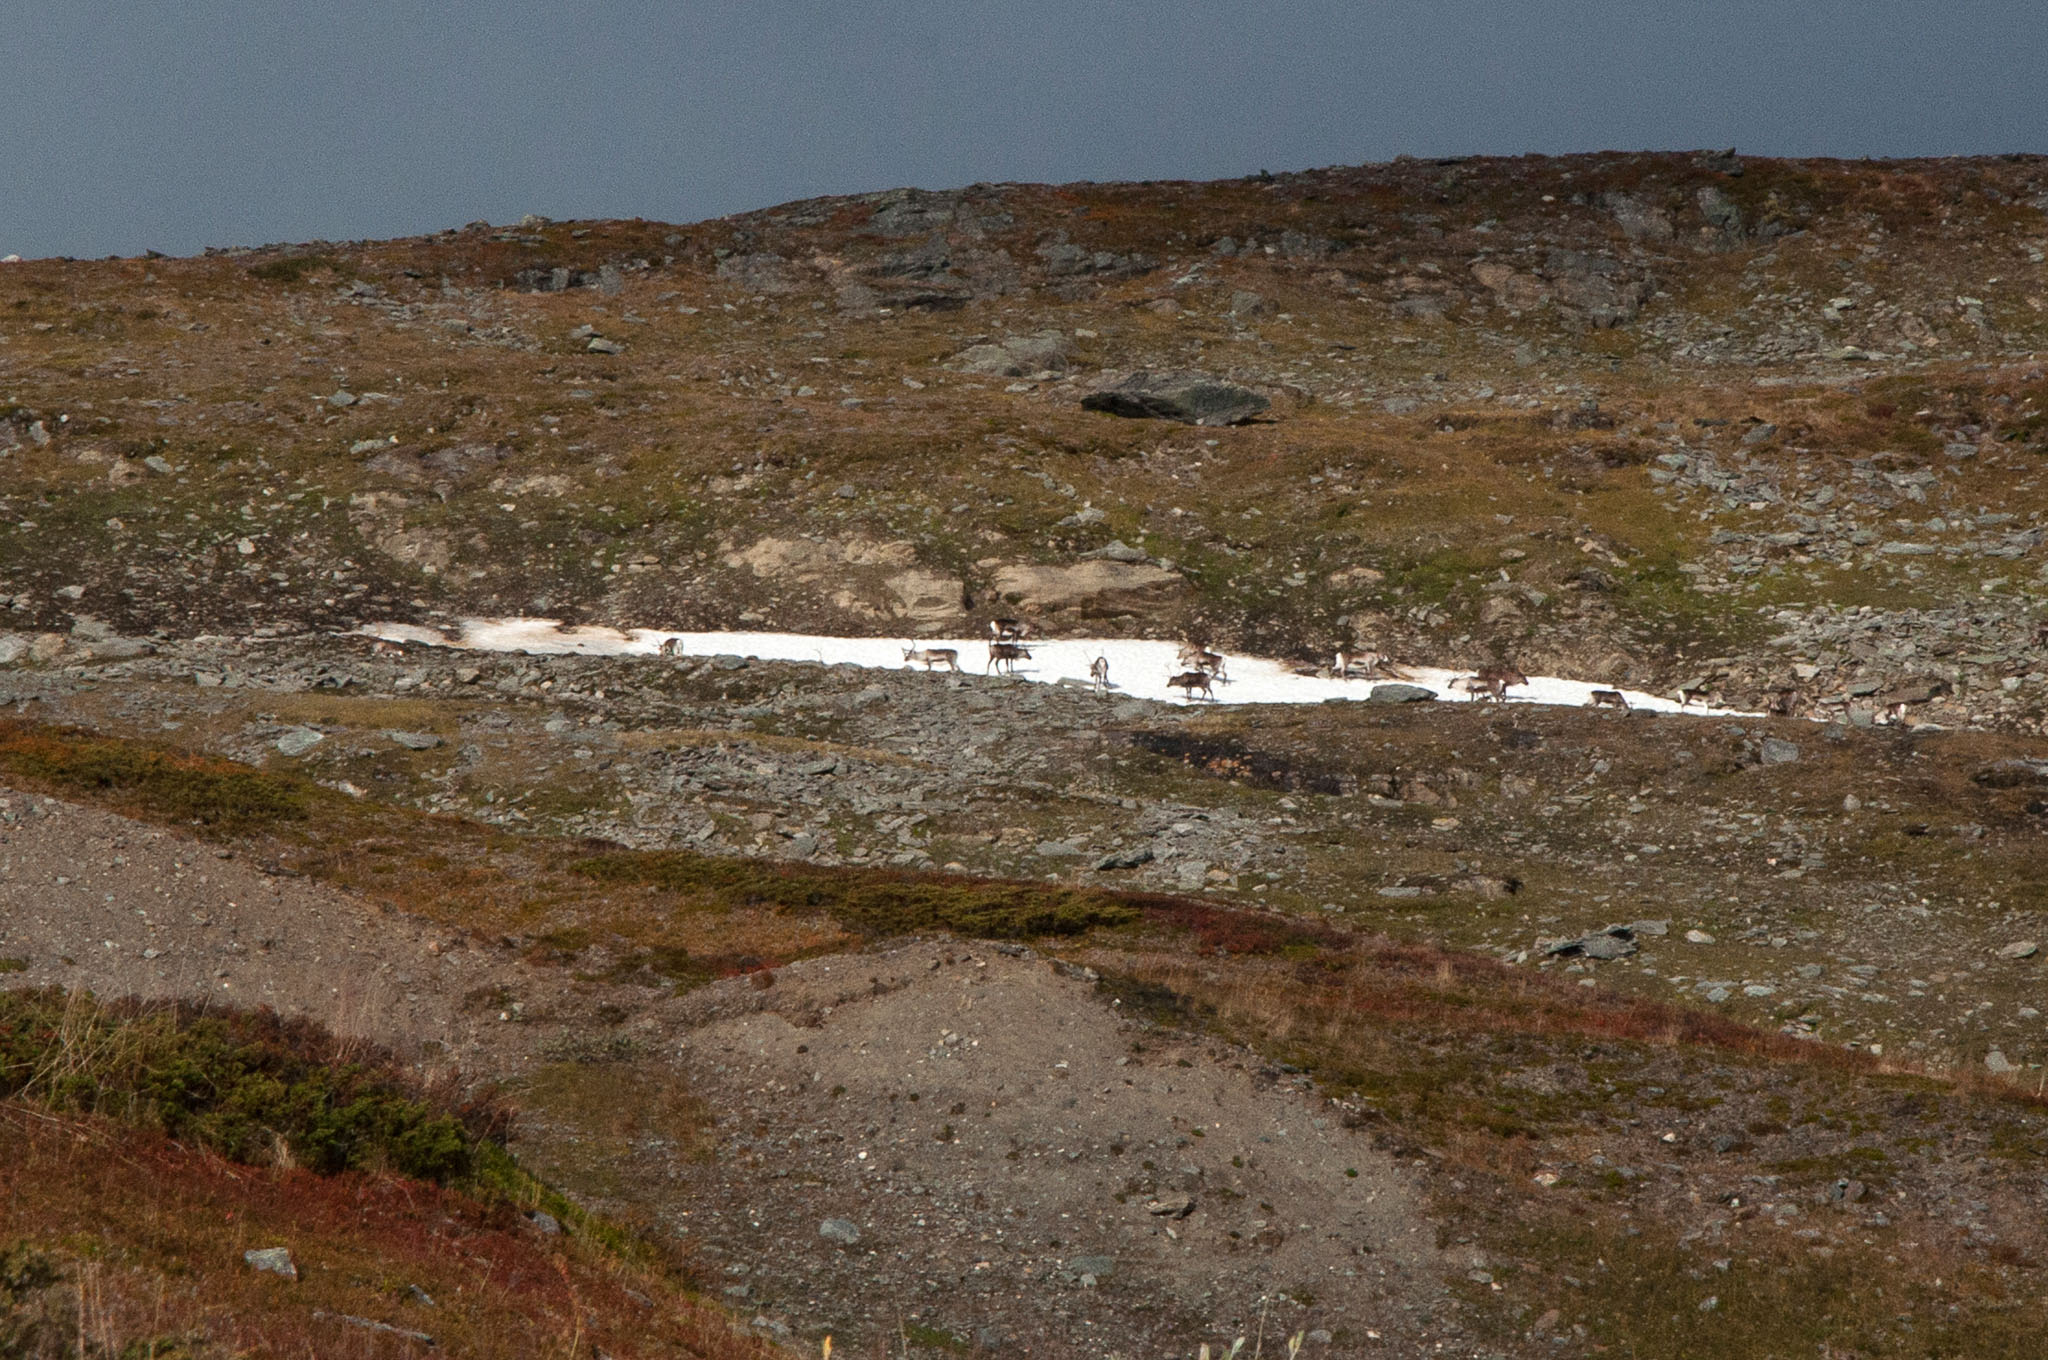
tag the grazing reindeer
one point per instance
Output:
(1607, 698)
(1493, 681)
(1098, 674)
(1781, 703)
(670, 647)
(1894, 712)
(934, 656)
(1480, 689)
(1006, 655)
(1191, 681)
(1008, 630)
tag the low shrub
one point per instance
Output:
(248, 1085)
(871, 902)
(192, 789)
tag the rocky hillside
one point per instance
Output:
(946, 1014)
(1637, 417)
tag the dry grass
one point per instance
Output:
(141, 1244)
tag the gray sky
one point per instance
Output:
(177, 124)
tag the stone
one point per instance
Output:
(1098, 1267)
(1090, 515)
(1171, 1206)
(1125, 859)
(342, 400)
(1606, 947)
(1058, 850)
(1615, 942)
(13, 647)
(119, 649)
(276, 1260)
(1998, 1065)
(1191, 398)
(2019, 949)
(46, 647)
(1400, 694)
(1017, 357)
(844, 1231)
(1650, 927)
(599, 345)
(548, 1224)
(1698, 937)
(1095, 586)
(845, 491)
(1778, 751)
(298, 741)
(414, 741)
(1116, 550)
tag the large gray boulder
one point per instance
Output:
(1017, 357)
(1192, 398)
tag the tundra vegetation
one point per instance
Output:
(1703, 1035)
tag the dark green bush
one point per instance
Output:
(248, 1085)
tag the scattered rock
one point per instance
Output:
(298, 741)
(276, 1260)
(2020, 949)
(1125, 859)
(844, 1231)
(414, 741)
(1191, 398)
(1615, 942)
(1400, 694)
(1095, 586)
(1018, 357)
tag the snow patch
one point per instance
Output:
(1138, 667)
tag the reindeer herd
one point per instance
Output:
(1199, 668)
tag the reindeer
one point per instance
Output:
(1700, 688)
(1098, 674)
(1479, 688)
(1781, 703)
(1368, 664)
(933, 656)
(670, 647)
(1008, 630)
(1198, 657)
(1493, 681)
(1607, 698)
(1191, 681)
(1006, 655)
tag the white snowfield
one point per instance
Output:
(1138, 667)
